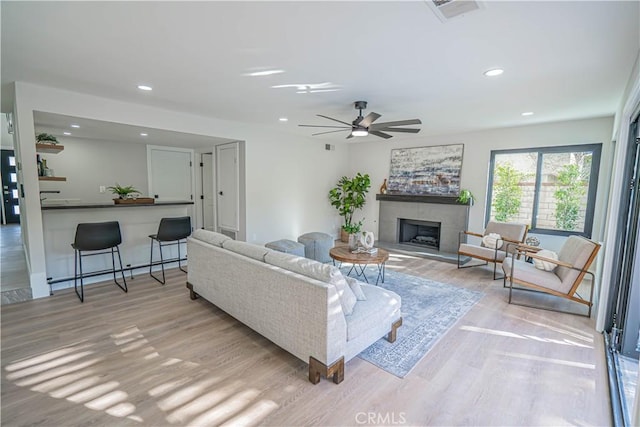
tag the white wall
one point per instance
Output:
(88, 164)
(287, 177)
(374, 158)
(6, 143)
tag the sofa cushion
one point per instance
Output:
(381, 307)
(354, 284)
(316, 270)
(247, 249)
(211, 237)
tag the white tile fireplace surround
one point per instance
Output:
(452, 216)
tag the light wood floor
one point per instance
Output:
(154, 357)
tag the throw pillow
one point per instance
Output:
(210, 237)
(545, 265)
(493, 241)
(247, 249)
(354, 284)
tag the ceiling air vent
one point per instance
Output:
(449, 9)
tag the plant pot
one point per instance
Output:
(344, 236)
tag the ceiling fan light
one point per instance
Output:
(359, 132)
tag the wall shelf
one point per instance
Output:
(49, 148)
(51, 178)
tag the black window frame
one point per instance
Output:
(596, 150)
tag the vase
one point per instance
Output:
(344, 236)
(354, 241)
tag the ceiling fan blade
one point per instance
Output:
(321, 126)
(397, 123)
(380, 134)
(406, 130)
(335, 120)
(369, 119)
(329, 131)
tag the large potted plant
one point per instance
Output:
(347, 196)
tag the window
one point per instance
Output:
(552, 189)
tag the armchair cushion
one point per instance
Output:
(525, 272)
(481, 252)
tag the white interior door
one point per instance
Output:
(208, 212)
(227, 179)
(170, 173)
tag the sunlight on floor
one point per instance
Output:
(548, 360)
(519, 336)
(75, 374)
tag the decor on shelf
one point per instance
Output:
(46, 138)
(466, 197)
(348, 195)
(426, 170)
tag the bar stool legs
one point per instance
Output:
(160, 245)
(78, 263)
(171, 231)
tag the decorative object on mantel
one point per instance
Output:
(426, 170)
(348, 195)
(383, 187)
(466, 197)
(46, 138)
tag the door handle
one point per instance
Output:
(155, 196)
(220, 193)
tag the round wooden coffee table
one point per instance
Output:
(360, 261)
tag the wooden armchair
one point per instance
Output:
(511, 234)
(574, 259)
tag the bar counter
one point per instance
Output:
(137, 222)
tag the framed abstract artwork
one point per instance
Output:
(426, 170)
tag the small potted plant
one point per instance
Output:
(123, 193)
(46, 138)
(466, 197)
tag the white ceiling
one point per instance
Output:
(562, 60)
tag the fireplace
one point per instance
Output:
(421, 233)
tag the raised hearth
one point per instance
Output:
(452, 216)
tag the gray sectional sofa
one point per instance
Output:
(308, 308)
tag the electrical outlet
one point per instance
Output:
(103, 189)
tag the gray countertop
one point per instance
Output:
(99, 205)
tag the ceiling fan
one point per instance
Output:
(363, 126)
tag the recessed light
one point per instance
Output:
(528, 113)
(144, 134)
(264, 73)
(145, 87)
(75, 126)
(494, 72)
(283, 119)
(67, 133)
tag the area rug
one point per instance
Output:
(429, 310)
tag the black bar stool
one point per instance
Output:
(97, 236)
(170, 230)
